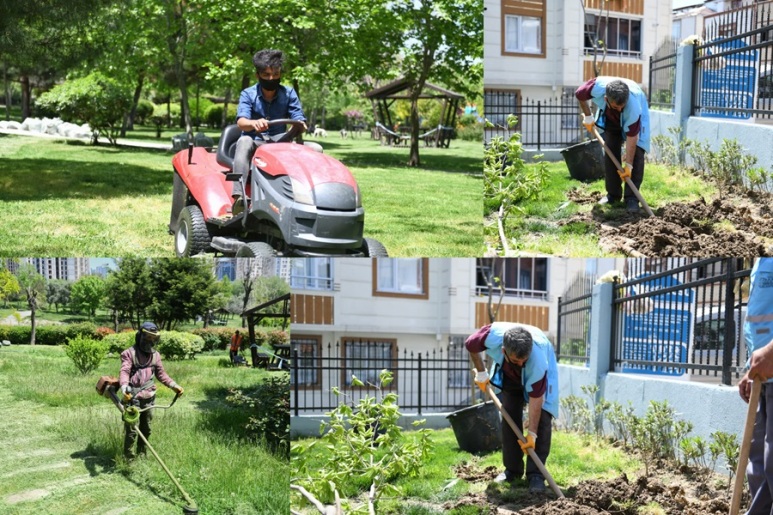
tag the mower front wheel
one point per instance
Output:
(373, 248)
(191, 236)
(256, 249)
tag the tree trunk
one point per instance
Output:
(177, 41)
(135, 101)
(25, 97)
(7, 90)
(224, 116)
(33, 305)
(413, 159)
(198, 116)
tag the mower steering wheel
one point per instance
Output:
(295, 129)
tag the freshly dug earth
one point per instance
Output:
(738, 224)
(681, 495)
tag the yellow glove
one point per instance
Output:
(528, 444)
(625, 173)
(178, 390)
(481, 379)
(588, 121)
(127, 396)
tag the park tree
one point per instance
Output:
(33, 286)
(58, 293)
(9, 285)
(95, 99)
(87, 294)
(182, 289)
(128, 291)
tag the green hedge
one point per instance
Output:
(117, 343)
(176, 345)
(48, 334)
(215, 337)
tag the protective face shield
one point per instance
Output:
(147, 337)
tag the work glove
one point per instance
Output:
(481, 379)
(588, 121)
(625, 173)
(127, 395)
(178, 390)
(528, 444)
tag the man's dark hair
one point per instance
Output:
(617, 92)
(268, 59)
(518, 341)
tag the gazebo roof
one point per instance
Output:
(394, 88)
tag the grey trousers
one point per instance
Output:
(759, 471)
(614, 141)
(130, 432)
(511, 397)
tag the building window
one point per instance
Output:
(365, 359)
(523, 35)
(523, 28)
(401, 277)
(309, 364)
(459, 375)
(312, 273)
(621, 36)
(522, 277)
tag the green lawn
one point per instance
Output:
(544, 226)
(71, 199)
(572, 459)
(62, 443)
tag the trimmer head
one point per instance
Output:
(188, 510)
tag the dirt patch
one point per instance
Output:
(736, 225)
(472, 473)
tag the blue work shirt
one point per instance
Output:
(285, 104)
(636, 109)
(758, 326)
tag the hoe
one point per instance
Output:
(107, 387)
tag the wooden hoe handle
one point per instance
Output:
(532, 454)
(628, 181)
(743, 456)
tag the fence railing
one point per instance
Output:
(663, 77)
(551, 123)
(574, 310)
(686, 321)
(432, 381)
(733, 68)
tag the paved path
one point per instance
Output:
(120, 141)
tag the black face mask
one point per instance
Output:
(269, 84)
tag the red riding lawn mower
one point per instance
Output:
(298, 201)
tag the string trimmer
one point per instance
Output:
(107, 387)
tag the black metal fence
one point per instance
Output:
(551, 123)
(733, 69)
(574, 310)
(433, 381)
(684, 321)
(663, 76)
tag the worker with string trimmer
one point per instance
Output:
(525, 370)
(139, 364)
(624, 116)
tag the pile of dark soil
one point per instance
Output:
(739, 224)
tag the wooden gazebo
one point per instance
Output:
(383, 98)
(254, 315)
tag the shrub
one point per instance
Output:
(85, 353)
(214, 337)
(95, 99)
(101, 332)
(213, 116)
(47, 334)
(144, 112)
(176, 345)
(118, 342)
(471, 132)
(277, 337)
(269, 409)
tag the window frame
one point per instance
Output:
(317, 342)
(616, 20)
(513, 282)
(309, 277)
(531, 9)
(424, 276)
(346, 373)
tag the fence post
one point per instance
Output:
(683, 87)
(558, 329)
(419, 401)
(729, 343)
(539, 125)
(295, 382)
(600, 335)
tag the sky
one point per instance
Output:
(97, 262)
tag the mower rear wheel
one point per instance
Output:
(191, 236)
(373, 248)
(256, 249)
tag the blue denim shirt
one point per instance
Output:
(285, 104)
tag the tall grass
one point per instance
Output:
(200, 439)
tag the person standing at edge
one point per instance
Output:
(525, 370)
(623, 113)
